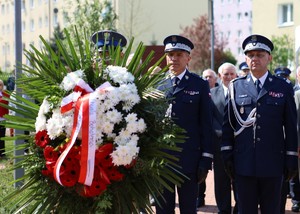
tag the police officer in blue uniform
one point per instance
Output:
(190, 108)
(259, 141)
(244, 69)
(108, 38)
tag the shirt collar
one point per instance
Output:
(180, 76)
(262, 79)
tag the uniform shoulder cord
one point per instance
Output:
(243, 123)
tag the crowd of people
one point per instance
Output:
(240, 122)
(248, 132)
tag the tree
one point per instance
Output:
(92, 15)
(57, 34)
(200, 35)
(283, 53)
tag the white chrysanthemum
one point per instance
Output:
(108, 104)
(119, 74)
(70, 81)
(114, 96)
(54, 125)
(133, 99)
(40, 123)
(131, 117)
(67, 121)
(107, 127)
(123, 155)
(45, 107)
(122, 138)
(141, 125)
(132, 127)
(99, 138)
(114, 116)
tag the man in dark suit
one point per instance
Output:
(259, 141)
(190, 108)
(219, 94)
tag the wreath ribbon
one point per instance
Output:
(84, 98)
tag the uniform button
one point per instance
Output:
(258, 104)
(258, 127)
(258, 115)
(173, 114)
(174, 102)
(191, 101)
(258, 139)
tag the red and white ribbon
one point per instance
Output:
(84, 120)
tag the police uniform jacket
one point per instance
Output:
(190, 108)
(265, 148)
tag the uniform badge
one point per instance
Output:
(242, 110)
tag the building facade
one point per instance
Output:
(147, 21)
(39, 17)
(233, 21)
(276, 18)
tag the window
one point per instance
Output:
(239, 17)
(222, 18)
(285, 14)
(23, 5)
(239, 33)
(240, 51)
(228, 34)
(3, 29)
(229, 17)
(46, 22)
(23, 26)
(7, 29)
(31, 25)
(55, 19)
(31, 3)
(2, 9)
(40, 22)
(7, 9)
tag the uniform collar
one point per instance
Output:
(180, 76)
(262, 79)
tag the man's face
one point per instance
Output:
(178, 60)
(210, 77)
(228, 74)
(258, 61)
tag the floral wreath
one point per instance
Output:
(98, 133)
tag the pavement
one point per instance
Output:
(210, 203)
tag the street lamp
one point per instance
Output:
(211, 22)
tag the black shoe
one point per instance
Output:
(200, 203)
(295, 208)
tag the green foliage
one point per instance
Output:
(153, 167)
(92, 15)
(283, 53)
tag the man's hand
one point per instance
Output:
(201, 175)
(290, 174)
(229, 169)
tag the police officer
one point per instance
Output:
(106, 41)
(190, 108)
(283, 72)
(292, 187)
(244, 69)
(259, 141)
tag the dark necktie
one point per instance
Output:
(175, 81)
(257, 85)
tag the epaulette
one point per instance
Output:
(238, 78)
